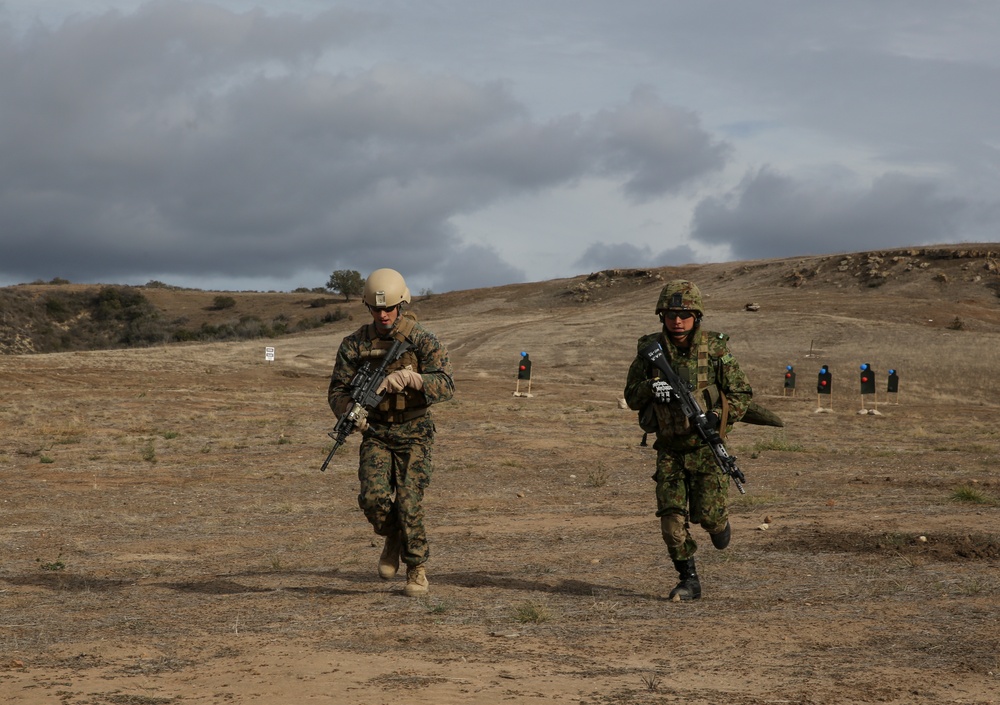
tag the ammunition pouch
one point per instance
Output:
(647, 419)
(377, 415)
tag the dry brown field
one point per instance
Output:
(166, 535)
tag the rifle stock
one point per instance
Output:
(364, 395)
(695, 416)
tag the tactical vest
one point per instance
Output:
(409, 404)
(669, 419)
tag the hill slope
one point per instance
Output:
(936, 285)
(169, 498)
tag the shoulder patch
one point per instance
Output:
(717, 344)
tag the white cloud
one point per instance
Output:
(221, 142)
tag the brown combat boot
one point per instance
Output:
(388, 562)
(416, 581)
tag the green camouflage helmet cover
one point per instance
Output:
(680, 295)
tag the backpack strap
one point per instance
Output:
(701, 350)
(703, 383)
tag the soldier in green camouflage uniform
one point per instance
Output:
(395, 454)
(690, 486)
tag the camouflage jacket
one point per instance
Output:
(428, 356)
(720, 373)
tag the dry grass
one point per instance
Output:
(181, 544)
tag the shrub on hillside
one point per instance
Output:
(221, 303)
(59, 320)
(333, 316)
(121, 303)
(57, 308)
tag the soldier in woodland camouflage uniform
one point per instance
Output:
(395, 454)
(690, 486)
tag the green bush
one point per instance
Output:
(121, 316)
(221, 303)
(56, 308)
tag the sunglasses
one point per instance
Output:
(683, 315)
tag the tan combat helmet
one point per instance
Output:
(385, 288)
(680, 295)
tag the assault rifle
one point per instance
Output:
(365, 396)
(695, 416)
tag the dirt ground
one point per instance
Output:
(167, 537)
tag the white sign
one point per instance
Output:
(269, 354)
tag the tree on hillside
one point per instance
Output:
(347, 282)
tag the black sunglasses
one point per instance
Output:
(683, 315)
(379, 309)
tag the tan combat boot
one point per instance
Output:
(416, 581)
(388, 562)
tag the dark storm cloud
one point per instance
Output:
(190, 139)
(186, 139)
(600, 256)
(661, 148)
(772, 215)
(473, 267)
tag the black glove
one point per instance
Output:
(713, 420)
(661, 390)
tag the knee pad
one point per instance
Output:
(674, 531)
(715, 526)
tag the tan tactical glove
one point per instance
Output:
(400, 379)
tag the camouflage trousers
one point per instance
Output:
(690, 489)
(394, 472)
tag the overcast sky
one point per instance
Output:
(239, 145)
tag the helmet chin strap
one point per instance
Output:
(688, 335)
(384, 330)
